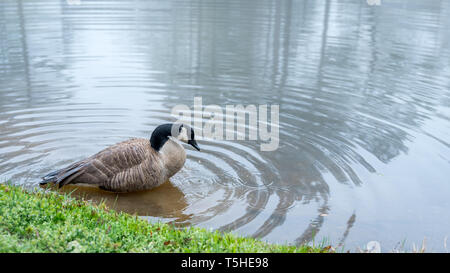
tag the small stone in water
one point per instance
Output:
(373, 247)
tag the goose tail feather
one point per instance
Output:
(63, 176)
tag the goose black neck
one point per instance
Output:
(160, 136)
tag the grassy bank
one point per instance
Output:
(51, 222)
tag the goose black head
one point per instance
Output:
(179, 131)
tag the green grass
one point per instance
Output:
(51, 222)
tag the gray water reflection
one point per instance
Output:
(364, 108)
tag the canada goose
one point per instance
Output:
(131, 165)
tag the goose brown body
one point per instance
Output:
(130, 165)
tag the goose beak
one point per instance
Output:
(194, 144)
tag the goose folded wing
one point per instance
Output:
(103, 167)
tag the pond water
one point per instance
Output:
(363, 91)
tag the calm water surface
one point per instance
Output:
(364, 109)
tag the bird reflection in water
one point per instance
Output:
(165, 201)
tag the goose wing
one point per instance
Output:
(110, 168)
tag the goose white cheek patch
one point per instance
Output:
(182, 136)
